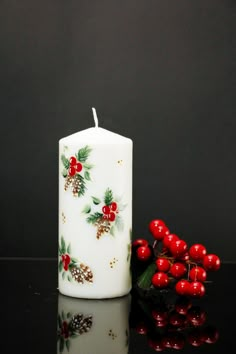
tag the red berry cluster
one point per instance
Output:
(175, 261)
(65, 261)
(110, 211)
(75, 166)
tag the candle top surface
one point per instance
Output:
(95, 135)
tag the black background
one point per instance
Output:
(159, 72)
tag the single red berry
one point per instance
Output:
(168, 239)
(141, 328)
(105, 217)
(106, 209)
(159, 315)
(160, 280)
(156, 344)
(195, 338)
(111, 216)
(211, 262)
(182, 287)
(167, 341)
(143, 253)
(182, 305)
(197, 252)
(196, 289)
(63, 258)
(78, 167)
(211, 335)
(160, 232)
(73, 161)
(140, 242)
(72, 171)
(162, 323)
(177, 270)
(113, 206)
(196, 316)
(177, 319)
(163, 265)
(178, 248)
(177, 341)
(153, 225)
(185, 257)
(198, 273)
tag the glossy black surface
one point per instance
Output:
(29, 307)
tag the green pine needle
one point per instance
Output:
(93, 218)
(108, 198)
(83, 153)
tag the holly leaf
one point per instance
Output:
(87, 166)
(96, 201)
(64, 172)
(63, 245)
(86, 209)
(68, 345)
(119, 223)
(108, 198)
(65, 161)
(69, 277)
(60, 266)
(145, 279)
(68, 315)
(74, 260)
(87, 176)
(69, 249)
(93, 218)
(83, 154)
(63, 275)
(112, 231)
(61, 347)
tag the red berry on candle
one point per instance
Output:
(111, 216)
(63, 258)
(177, 270)
(211, 262)
(72, 171)
(196, 289)
(73, 161)
(140, 242)
(113, 206)
(143, 253)
(197, 252)
(198, 273)
(163, 265)
(160, 280)
(182, 287)
(168, 239)
(178, 248)
(106, 209)
(78, 167)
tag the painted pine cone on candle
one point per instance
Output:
(82, 273)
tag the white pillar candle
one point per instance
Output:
(93, 326)
(95, 213)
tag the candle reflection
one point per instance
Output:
(93, 326)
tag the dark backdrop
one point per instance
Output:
(159, 72)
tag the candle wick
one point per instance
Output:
(95, 117)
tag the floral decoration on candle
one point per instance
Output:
(107, 218)
(72, 268)
(71, 326)
(76, 171)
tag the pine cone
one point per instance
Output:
(103, 226)
(81, 324)
(76, 185)
(82, 274)
(68, 182)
